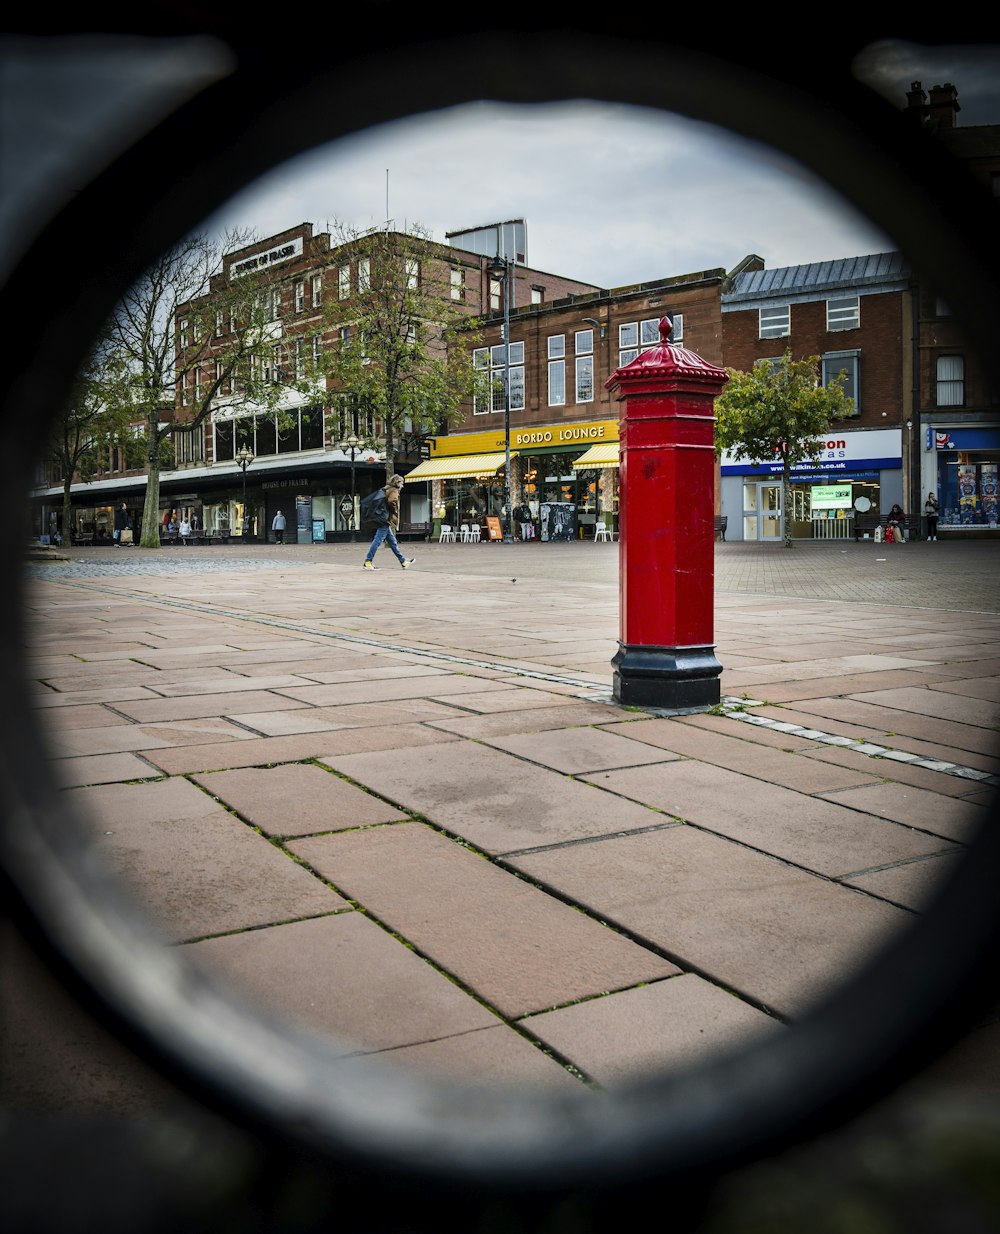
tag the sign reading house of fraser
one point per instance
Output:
(281, 252)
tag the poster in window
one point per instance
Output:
(557, 520)
(988, 488)
(967, 496)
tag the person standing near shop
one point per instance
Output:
(123, 522)
(387, 531)
(932, 511)
(278, 527)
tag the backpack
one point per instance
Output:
(375, 508)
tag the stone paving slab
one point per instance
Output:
(48, 697)
(154, 710)
(943, 705)
(492, 799)
(356, 715)
(293, 749)
(86, 715)
(911, 884)
(486, 1058)
(975, 687)
(898, 772)
(818, 835)
(442, 686)
(915, 807)
(922, 727)
(739, 754)
(101, 769)
(576, 750)
(135, 737)
(201, 872)
(345, 977)
(777, 936)
(296, 799)
(515, 947)
(623, 1038)
(569, 713)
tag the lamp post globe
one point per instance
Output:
(352, 445)
(244, 458)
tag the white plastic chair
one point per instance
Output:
(474, 533)
(466, 532)
(447, 534)
(602, 532)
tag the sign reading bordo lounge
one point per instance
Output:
(875, 450)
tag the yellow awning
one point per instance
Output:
(460, 465)
(604, 455)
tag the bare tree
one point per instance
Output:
(400, 354)
(185, 335)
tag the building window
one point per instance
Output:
(941, 309)
(412, 274)
(585, 379)
(345, 336)
(490, 361)
(364, 275)
(584, 342)
(950, 381)
(300, 364)
(557, 383)
(843, 313)
(184, 332)
(317, 290)
(219, 323)
(317, 348)
(776, 321)
(557, 370)
(300, 295)
(344, 283)
(847, 362)
(537, 295)
(637, 336)
(496, 291)
(457, 284)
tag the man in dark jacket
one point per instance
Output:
(387, 532)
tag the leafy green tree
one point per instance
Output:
(400, 347)
(185, 337)
(778, 412)
(90, 427)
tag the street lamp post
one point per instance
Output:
(500, 268)
(244, 458)
(352, 444)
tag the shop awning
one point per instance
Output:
(604, 455)
(459, 465)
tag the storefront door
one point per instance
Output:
(762, 511)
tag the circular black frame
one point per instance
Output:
(433, 1153)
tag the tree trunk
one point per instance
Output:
(67, 513)
(786, 514)
(150, 537)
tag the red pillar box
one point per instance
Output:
(666, 649)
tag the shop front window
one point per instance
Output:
(968, 492)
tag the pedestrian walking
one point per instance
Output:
(278, 527)
(385, 532)
(185, 531)
(932, 510)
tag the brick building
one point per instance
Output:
(563, 422)
(856, 315)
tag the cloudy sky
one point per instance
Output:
(697, 197)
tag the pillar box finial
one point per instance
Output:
(666, 544)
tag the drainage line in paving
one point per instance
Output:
(732, 708)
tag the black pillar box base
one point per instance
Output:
(681, 679)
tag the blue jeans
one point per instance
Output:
(389, 536)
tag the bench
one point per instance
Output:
(870, 520)
(721, 523)
(84, 537)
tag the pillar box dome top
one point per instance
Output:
(667, 367)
